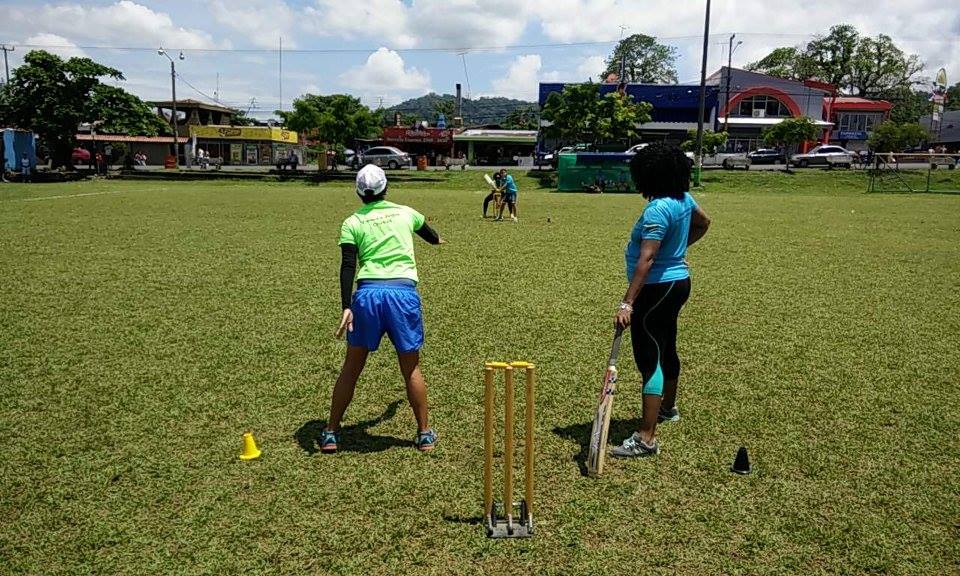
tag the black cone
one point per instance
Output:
(741, 465)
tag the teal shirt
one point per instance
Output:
(666, 220)
(510, 187)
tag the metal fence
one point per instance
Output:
(914, 173)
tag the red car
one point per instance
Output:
(80, 156)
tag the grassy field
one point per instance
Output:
(145, 326)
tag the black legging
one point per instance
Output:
(653, 327)
(487, 200)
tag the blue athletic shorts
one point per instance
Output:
(386, 306)
(511, 198)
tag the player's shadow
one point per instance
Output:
(353, 438)
(580, 433)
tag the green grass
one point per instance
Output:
(144, 326)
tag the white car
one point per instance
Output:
(824, 155)
(636, 148)
(726, 160)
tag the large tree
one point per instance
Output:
(579, 114)
(908, 104)
(52, 97)
(337, 119)
(857, 65)
(894, 137)
(645, 60)
(521, 119)
(953, 97)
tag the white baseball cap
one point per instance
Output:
(371, 181)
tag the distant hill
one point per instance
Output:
(478, 111)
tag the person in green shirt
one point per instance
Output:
(380, 236)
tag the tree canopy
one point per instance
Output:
(894, 137)
(791, 132)
(52, 97)
(579, 114)
(712, 141)
(521, 119)
(645, 60)
(857, 65)
(336, 119)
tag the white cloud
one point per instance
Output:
(123, 23)
(522, 77)
(56, 45)
(590, 67)
(383, 20)
(263, 22)
(466, 23)
(384, 70)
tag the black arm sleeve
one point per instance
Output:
(428, 234)
(348, 269)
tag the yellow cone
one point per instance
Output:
(250, 450)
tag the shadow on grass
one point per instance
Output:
(354, 438)
(468, 520)
(580, 433)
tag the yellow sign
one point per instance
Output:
(245, 133)
(942, 79)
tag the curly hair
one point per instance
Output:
(660, 171)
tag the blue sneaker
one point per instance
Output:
(328, 441)
(426, 440)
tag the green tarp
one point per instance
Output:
(593, 172)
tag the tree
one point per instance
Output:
(953, 97)
(782, 62)
(893, 137)
(791, 132)
(337, 119)
(578, 114)
(712, 141)
(617, 117)
(908, 105)
(52, 97)
(123, 113)
(857, 65)
(240, 118)
(521, 119)
(645, 60)
(445, 107)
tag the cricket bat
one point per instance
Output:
(601, 421)
(489, 180)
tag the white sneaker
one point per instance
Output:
(634, 447)
(514, 218)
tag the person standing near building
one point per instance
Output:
(380, 236)
(25, 168)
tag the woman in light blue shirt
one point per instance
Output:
(659, 284)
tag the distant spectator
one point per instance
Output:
(25, 168)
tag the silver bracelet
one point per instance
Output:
(625, 306)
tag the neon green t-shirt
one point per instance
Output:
(383, 234)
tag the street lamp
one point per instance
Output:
(173, 90)
(726, 117)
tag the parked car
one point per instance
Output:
(553, 158)
(382, 156)
(80, 156)
(767, 156)
(824, 155)
(726, 160)
(636, 148)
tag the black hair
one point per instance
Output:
(660, 171)
(371, 199)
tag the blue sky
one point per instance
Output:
(396, 49)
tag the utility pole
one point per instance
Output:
(726, 102)
(6, 66)
(280, 73)
(173, 93)
(703, 95)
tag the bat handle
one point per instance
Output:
(615, 349)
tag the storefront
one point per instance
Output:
(496, 147)
(854, 119)
(434, 143)
(246, 145)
